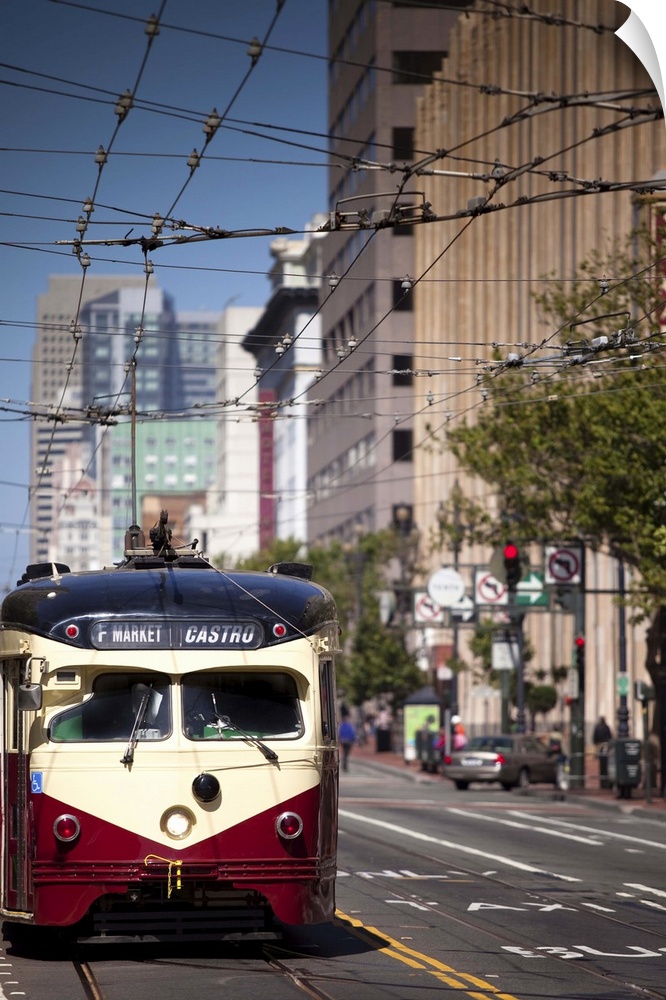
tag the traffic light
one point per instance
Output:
(512, 568)
(580, 654)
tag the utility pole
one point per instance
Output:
(456, 563)
(513, 571)
(577, 742)
(623, 709)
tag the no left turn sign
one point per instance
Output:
(488, 590)
(563, 565)
(425, 609)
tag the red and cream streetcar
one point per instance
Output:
(170, 766)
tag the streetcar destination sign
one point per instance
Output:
(185, 634)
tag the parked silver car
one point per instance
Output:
(514, 760)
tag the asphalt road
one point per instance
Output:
(483, 894)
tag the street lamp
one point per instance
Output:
(456, 540)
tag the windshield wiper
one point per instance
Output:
(226, 723)
(128, 756)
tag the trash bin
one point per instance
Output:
(383, 738)
(624, 765)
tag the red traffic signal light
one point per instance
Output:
(512, 568)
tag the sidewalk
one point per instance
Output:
(592, 792)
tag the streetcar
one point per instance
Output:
(170, 758)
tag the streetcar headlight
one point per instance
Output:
(177, 823)
(66, 828)
(289, 825)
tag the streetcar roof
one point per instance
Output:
(147, 591)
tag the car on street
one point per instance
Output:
(515, 760)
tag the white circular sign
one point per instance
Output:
(446, 587)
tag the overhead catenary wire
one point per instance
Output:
(348, 277)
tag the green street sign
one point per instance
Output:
(530, 591)
(622, 684)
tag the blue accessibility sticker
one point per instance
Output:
(36, 782)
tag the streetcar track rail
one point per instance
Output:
(91, 988)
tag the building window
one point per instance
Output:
(403, 143)
(402, 369)
(416, 67)
(402, 446)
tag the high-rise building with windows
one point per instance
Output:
(83, 381)
(360, 437)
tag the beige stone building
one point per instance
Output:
(479, 275)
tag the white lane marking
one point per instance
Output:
(590, 829)
(462, 848)
(651, 902)
(525, 826)
(645, 888)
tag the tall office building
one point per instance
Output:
(485, 290)
(81, 375)
(360, 438)
(286, 343)
(56, 449)
(226, 521)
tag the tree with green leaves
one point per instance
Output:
(374, 660)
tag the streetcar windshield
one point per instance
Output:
(259, 704)
(110, 712)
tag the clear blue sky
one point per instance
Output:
(53, 123)
(248, 178)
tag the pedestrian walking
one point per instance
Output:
(346, 739)
(601, 737)
(602, 732)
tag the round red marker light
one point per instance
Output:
(66, 828)
(289, 825)
(72, 631)
(279, 630)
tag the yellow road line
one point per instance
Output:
(417, 960)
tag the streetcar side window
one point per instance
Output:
(118, 702)
(223, 705)
(327, 688)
